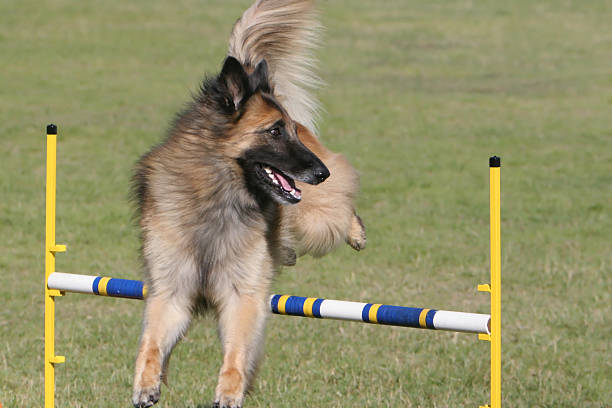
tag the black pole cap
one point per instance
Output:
(51, 129)
(494, 161)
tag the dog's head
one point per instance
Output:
(263, 138)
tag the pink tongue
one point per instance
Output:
(284, 183)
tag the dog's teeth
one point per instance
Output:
(275, 181)
(295, 194)
(267, 169)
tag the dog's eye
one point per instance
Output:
(275, 132)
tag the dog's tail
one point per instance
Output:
(284, 33)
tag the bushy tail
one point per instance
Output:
(284, 33)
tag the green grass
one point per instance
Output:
(419, 95)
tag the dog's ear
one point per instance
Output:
(259, 79)
(236, 83)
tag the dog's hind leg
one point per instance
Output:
(326, 216)
(356, 236)
(242, 319)
(165, 322)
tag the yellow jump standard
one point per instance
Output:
(494, 288)
(488, 327)
(50, 249)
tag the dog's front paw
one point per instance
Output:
(228, 402)
(146, 397)
(230, 390)
(357, 236)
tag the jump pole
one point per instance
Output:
(494, 287)
(297, 305)
(488, 327)
(50, 249)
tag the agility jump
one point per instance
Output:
(488, 327)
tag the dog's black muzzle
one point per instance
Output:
(305, 166)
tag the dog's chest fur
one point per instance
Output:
(202, 208)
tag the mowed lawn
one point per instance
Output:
(418, 96)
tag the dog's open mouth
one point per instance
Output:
(281, 184)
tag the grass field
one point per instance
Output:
(419, 95)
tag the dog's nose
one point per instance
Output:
(321, 174)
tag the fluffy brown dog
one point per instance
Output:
(236, 189)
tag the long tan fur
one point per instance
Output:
(239, 186)
(284, 33)
(326, 216)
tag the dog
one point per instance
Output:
(240, 187)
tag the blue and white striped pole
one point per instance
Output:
(298, 306)
(381, 314)
(97, 285)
